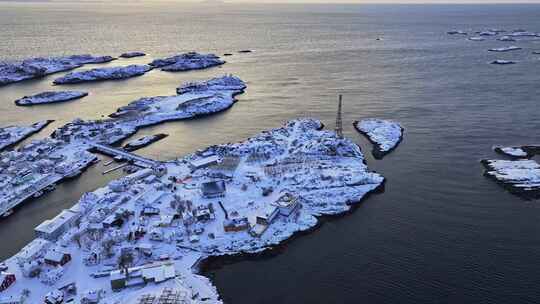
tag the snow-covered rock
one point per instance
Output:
(516, 152)
(187, 61)
(502, 62)
(50, 97)
(456, 32)
(506, 38)
(487, 33)
(38, 67)
(523, 34)
(111, 73)
(477, 38)
(132, 54)
(505, 49)
(521, 177)
(384, 134)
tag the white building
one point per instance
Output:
(53, 228)
(33, 250)
(204, 162)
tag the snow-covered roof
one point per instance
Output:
(33, 248)
(201, 162)
(49, 226)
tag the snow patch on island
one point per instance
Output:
(385, 134)
(50, 97)
(111, 73)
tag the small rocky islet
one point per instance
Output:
(50, 97)
(384, 134)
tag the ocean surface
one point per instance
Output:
(440, 233)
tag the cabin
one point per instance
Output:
(213, 189)
(6, 280)
(57, 258)
(235, 225)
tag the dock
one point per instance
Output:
(134, 158)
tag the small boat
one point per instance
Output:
(38, 194)
(7, 213)
(50, 188)
(477, 39)
(456, 32)
(96, 160)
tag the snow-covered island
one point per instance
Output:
(384, 134)
(506, 38)
(520, 177)
(194, 99)
(132, 54)
(145, 235)
(11, 72)
(11, 135)
(50, 97)
(505, 49)
(187, 61)
(100, 74)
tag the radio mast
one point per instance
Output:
(339, 122)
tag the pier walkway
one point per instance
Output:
(136, 159)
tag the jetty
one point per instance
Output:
(135, 159)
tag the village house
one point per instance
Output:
(213, 189)
(234, 225)
(33, 250)
(57, 258)
(6, 280)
